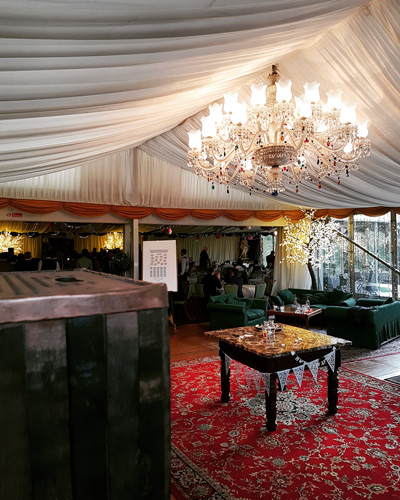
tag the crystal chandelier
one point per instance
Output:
(275, 138)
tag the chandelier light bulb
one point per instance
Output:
(283, 91)
(248, 165)
(348, 148)
(311, 91)
(334, 99)
(363, 128)
(322, 127)
(348, 113)
(303, 107)
(194, 139)
(216, 112)
(239, 114)
(231, 102)
(209, 129)
(258, 97)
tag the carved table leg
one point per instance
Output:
(333, 384)
(225, 379)
(270, 403)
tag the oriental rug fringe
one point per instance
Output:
(222, 451)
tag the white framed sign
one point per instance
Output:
(159, 263)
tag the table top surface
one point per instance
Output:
(289, 339)
(289, 311)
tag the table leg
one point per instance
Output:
(333, 384)
(270, 403)
(225, 379)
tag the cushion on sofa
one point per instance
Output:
(238, 302)
(389, 300)
(255, 313)
(359, 314)
(319, 298)
(287, 296)
(227, 298)
(338, 296)
(230, 298)
(369, 302)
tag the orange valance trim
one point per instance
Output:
(175, 214)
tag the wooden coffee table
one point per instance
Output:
(289, 312)
(247, 346)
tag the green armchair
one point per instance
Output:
(228, 311)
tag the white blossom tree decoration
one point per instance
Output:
(310, 241)
(114, 240)
(8, 241)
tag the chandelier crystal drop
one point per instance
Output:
(276, 138)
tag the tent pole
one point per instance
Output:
(135, 247)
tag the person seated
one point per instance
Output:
(255, 267)
(29, 263)
(84, 261)
(227, 265)
(236, 279)
(19, 265)
(245, 277)
(48, 263)
(239, 265)
(211, 282)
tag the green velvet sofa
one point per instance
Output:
(229, 311)
(370, 323)
(320, 299)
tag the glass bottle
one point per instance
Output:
(307, 305)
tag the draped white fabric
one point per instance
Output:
(85, 82)
(288, 275)
(137, 179)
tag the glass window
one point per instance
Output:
(335, 272)
(372, 278)
(268, 245)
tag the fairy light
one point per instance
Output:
(114, 240)
(310, 240)
(8, 241)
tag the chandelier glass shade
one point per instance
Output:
(258, 146)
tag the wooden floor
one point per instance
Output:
(190, 342)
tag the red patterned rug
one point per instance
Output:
(222, 451)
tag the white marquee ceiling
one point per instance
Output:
(85, 82)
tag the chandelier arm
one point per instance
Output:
(335, 151)
(226, 159)
(235, 173)
(327, 149)
(293, 142)
(296, 175)
(203, 167)
(255, 170)
(247, 152)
